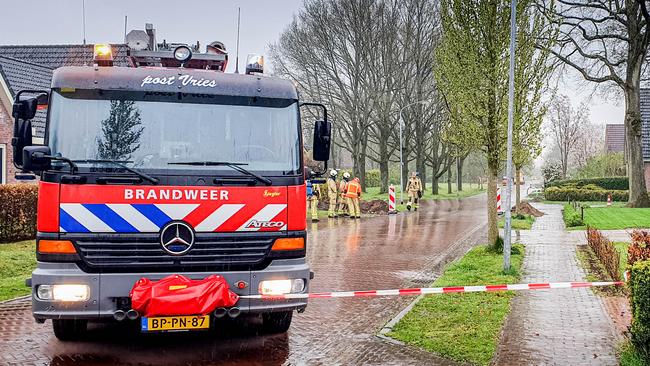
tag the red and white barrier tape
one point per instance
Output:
(435, 290)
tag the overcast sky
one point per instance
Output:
(60, 22)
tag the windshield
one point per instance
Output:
(148, 132)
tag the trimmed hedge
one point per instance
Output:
(639, 286)
(583, 194)
(609, 183)
(639, 249)
(571, 216)
(606, 253)
(18, 212)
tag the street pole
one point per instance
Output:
(401, 161)
(511, 105)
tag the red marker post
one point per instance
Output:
(391, 200)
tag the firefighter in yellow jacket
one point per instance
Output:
(313, 194)
(353, 194)
(343, 200)
(414, 190)
(332, 193)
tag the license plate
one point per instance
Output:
(166, 323)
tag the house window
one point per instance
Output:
(3, 163)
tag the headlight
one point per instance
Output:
(281, 287)
(63, 292)
(182, 54)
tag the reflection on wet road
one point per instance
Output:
(373, 253)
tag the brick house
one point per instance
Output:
(31, 67)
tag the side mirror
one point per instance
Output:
(36, 158)
(25, 108)
(322, 140)
(22, 137)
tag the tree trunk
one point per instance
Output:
(420, 167)
(459, 173)
(449, 179)
(383, 168)
(434, 184)
(638, 193)
(383, 175)
(362, 165)
(517, 190)
(493, 230)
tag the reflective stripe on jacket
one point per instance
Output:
(353, 190)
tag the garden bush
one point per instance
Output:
(18, 212)
(639, 249)
(373, 178)
(608, 183)
(569, 193)
(606, 252)
(571, 216)
(639, 285)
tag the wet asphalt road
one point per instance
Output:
(380, 252)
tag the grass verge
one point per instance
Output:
(628, 356)
(17, 261)
(519, 222)
(463, 327)
(468, 190)
(621, 248)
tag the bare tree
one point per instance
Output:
(329, 51)
(606, 41)
(566, 125)
(590, 143)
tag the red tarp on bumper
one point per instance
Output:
(179, 295)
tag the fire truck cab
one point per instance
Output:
(168, 167)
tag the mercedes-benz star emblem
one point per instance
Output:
(176, 238)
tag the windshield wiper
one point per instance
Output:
(121, 165)
(235, 166)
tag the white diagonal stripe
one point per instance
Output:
(266, 214)
(86, 218)
(134, 217)
(475, 288)
(177, 211)
(218, 217)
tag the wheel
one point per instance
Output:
(276, 322)
(69, 329)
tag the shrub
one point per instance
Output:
(608, 183)
(18, 212)
(639, 286)
(571, 216)
(581, 194)
(639, 249)
(606, 252)
(373, 178)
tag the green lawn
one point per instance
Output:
(464, 327)
(468, 190)
(621, 248)
(17, 261)
(612, 218)
(523, 222)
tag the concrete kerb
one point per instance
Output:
(15, 299)
(388, 327)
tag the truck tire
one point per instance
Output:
(69, 329)
(278, 322)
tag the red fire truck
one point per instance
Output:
(168, 167)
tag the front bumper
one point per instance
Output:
(107, 288)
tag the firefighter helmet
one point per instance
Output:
(346, 175)
(333, 172)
